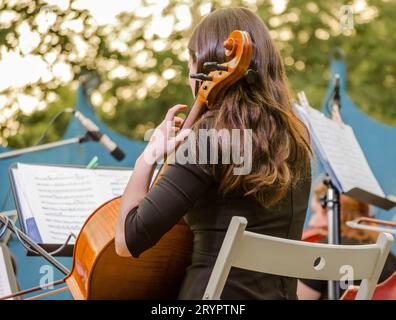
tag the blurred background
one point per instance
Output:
(136, 50)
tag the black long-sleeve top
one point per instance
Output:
(188, 190)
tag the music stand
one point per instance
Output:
(348, 170)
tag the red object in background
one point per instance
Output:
(384, 291)
(314, 234)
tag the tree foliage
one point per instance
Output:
(142, 60)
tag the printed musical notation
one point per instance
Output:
(60, 198)
(347, 159)
(340, 152)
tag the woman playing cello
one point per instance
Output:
(272, 194)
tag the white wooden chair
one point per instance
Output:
(297, 259)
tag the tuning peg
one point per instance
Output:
(201, 76)
(211, 66)
(251, 76)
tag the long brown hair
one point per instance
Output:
(281, 146)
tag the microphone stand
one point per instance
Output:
(35, 246)
(15, 153)
(20, 235)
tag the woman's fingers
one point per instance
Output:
(182, 135)
(178, 120)
(174, 110)
(176, 129)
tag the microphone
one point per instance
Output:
(96, 135)
(337, 97)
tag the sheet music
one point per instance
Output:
(5, 286)
(60, 199)
(25, 208)
(339, 147)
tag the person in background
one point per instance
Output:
(350, 209)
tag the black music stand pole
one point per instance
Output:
(332, 204)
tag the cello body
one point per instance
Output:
(99, 273)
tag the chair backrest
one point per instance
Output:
(297, 259)
(384, 291)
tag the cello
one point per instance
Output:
(97, 271)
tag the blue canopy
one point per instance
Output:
(376, 139)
